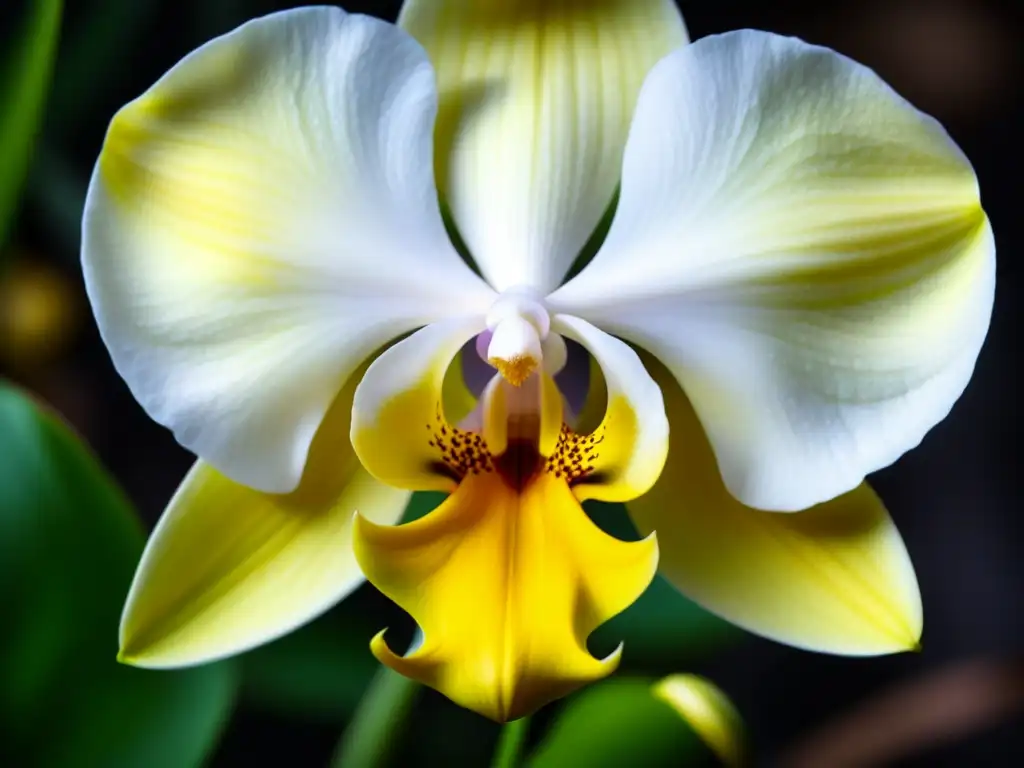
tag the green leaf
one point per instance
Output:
(662, 625)
(616, 723)
(69, 544)
(24, 82)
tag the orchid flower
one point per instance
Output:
(795, 285)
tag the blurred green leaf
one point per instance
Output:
(616, 723)
(709, 712)
(69, 544)
(24, 82)
(662, 625)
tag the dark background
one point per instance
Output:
(955, 499)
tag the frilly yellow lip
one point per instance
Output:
(508, 577)
(506, 584)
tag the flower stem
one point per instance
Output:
(511, 743)
(370, 738)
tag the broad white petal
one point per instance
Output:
(261, 221)
(536, 99)
(807, 254)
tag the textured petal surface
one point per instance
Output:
(260, 222)
(228, 568)
(627, 450)
(506, 586)
(807, 254)
(833, 578)
(536, 99)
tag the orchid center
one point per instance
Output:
(519, 340)
(508, 575)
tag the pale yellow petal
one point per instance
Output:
(229, 568)
(834, 578)
(536, 100)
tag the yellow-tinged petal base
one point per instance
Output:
(506, 585)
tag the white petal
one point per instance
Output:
(536, 99)
(261, 221)
(806, 253)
